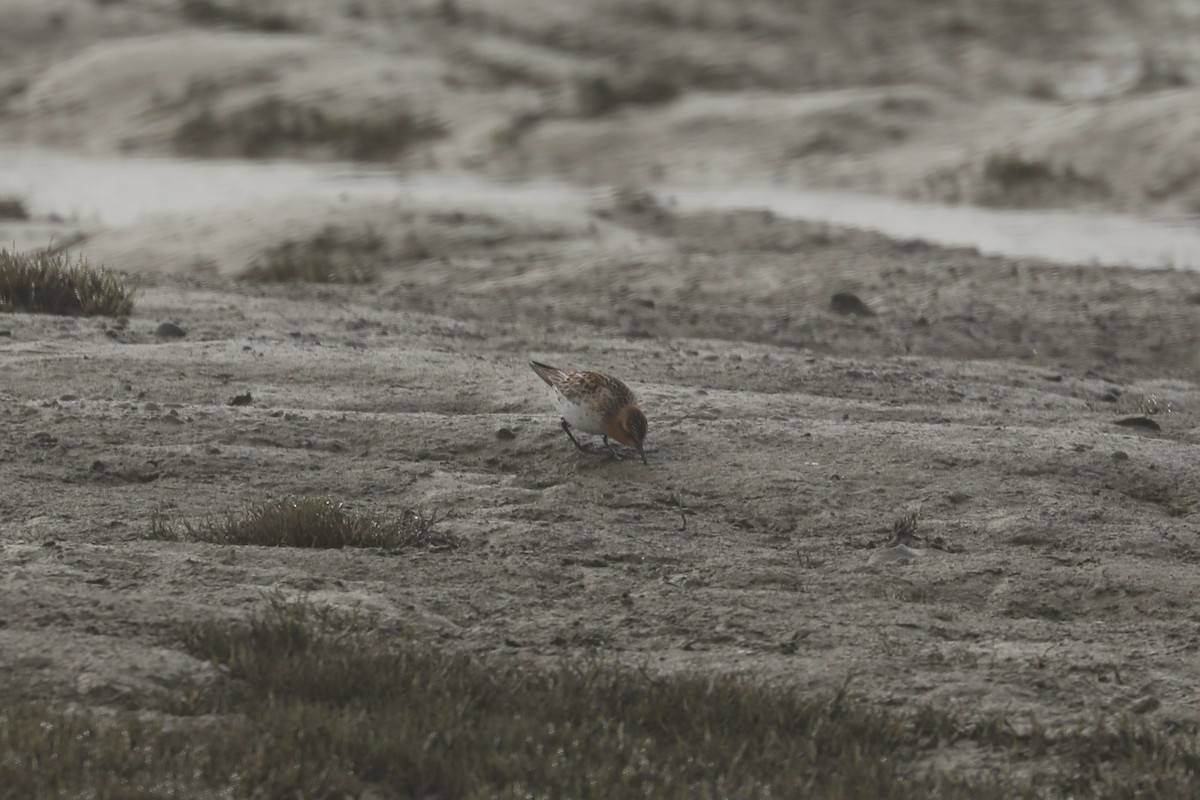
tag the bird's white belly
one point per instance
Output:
(578, 416)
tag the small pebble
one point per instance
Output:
(505, 433)
(1120, 455)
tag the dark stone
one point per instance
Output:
(850, 304)
(169, 330)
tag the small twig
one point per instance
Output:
(682, 512)
(835, 705)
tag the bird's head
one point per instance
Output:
(629, 428)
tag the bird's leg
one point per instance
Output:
(612, 451)
(571, 436)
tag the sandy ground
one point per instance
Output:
(1056, 559)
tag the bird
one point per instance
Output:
(598, 404)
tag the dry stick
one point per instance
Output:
(682, 512)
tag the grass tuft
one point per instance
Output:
(310, 522)
(50, 283)
(1151, 405)
(333, 255)
(274, 126)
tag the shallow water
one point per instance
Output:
(115, 191)
(118, 191)
(1072, 237)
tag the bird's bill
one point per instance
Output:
(643, 455)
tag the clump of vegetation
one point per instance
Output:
(1151, 404)
(331, 256)
(597, 95)
(1012, 181)
(265, 16)
(274, 126)
(13, 208)
(310, 522)
(42, 282)
(310, 702)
